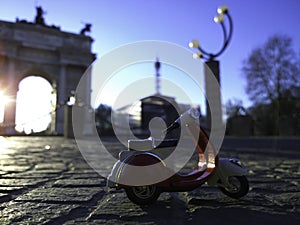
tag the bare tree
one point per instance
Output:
(271, 71)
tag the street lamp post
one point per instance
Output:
(213, 65)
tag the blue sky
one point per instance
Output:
(118, 22)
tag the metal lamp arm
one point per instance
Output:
(230, 28)
(226, 38)
(205, 53)
(223, 10)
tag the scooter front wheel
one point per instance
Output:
(238, 187)
(143, 195)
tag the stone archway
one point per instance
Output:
(29, 48)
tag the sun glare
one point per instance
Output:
(3, 101)
(34, 105)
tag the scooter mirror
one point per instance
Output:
(189, 116)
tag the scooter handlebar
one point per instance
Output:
(171, 127)
(185, 119)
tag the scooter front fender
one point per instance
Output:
(226, 168)
(112, 178)
(138, 169)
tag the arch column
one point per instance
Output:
(88, 128)
(62, 98)
(11, 89)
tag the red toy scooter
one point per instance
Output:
(144, 170)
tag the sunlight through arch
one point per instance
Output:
(34, 105)
(3, 101)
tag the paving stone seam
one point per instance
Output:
(82, 211)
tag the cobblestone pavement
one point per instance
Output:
(45, 180)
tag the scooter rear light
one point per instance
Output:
(236, 161)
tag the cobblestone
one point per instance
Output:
(45, 180)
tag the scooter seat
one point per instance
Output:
(141, 144)
(150, 144)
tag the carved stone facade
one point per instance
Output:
(34, 49)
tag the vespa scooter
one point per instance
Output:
(144, 174)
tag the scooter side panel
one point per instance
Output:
(225, 169)
(139, 169)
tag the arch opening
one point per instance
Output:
(35, 106)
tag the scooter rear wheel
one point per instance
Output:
(143, 195)
(239, 187)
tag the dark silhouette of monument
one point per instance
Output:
(87, 28)
(39, 19)
(34, 48)
(158, 105)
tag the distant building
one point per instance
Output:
(140, 113)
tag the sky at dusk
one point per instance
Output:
(118, 22)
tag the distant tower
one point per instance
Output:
(157, 76)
